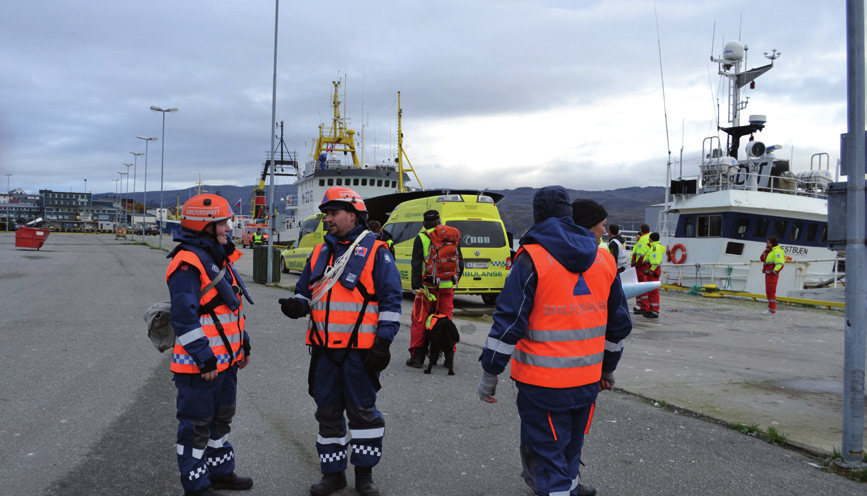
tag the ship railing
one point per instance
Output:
(725, 275)
(721, 177)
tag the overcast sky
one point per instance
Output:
(495, 94)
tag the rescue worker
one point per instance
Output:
(376, 228)
(258, 237)
(638, 262)
(428, 294)
(561, 318)
(617, 247)
(774, 258)
(211, 344)
(652, 259)
(354, 289)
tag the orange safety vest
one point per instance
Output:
(232, 322)
(335, 317)
(565, 338)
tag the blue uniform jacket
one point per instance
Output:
(575, 248)
(386, 282)
(185, 286)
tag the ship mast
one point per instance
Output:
(401, 153)
(338, 138)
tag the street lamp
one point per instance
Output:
(144, 210)
(128, 165)
(7, 201)
(134, 174)
(120, 192)
(83, 217)
(162, 163)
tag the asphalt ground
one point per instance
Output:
(87, 403)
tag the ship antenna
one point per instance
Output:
(665, 112)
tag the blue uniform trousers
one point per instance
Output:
(551, 446)
(205, 411)
(341, 384)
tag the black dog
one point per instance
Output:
(442, 337)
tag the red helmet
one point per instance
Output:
(201, 210)
(338, 197)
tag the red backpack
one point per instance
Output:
(442, 258)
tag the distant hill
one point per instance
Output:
(625, 206)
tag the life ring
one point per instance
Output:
(677, 254)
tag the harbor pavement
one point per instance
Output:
(88, 404)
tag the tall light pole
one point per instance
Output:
(83, 217)
(128, 165)
(144, 210)
(134, 174)
(120, 191)
(7, 201)
(162, 163)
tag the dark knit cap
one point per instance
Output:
(654, 236)
(431, 215)
(587, 213)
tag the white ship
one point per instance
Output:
(334, 162)
(716, 224)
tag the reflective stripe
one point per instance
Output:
(180, 449)
(367, 433)
(552, 336)
(559, 493)
(189, 337)
(498, 346)
(218, 443)
(615, 347)
(389, 316)
(332, 440)
(198, 453)
(347, 328)
(226, 318)
(557, 362)
(302, 297)
(345, 306)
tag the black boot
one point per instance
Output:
(583, 490)
(328, 484)
(416, 361)
(232, 482)
(364, 482)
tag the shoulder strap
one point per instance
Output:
(214, 282)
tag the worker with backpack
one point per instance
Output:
(436, 269)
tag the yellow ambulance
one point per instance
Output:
(484, 244)
(311, 234)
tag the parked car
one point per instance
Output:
(152, 231)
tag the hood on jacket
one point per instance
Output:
(183, 236)
(572, 246)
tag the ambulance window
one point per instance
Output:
(403, 231)
(761, 229)
(811, 232)
(480, 233)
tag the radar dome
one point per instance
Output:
(734, 50)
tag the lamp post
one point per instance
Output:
(83, 217)
(134, 174)
(144, 209)
(120, 192)
(7, 202)
(128, 165)
(162, 163)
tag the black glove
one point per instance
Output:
(378, 357)
(292, 307)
